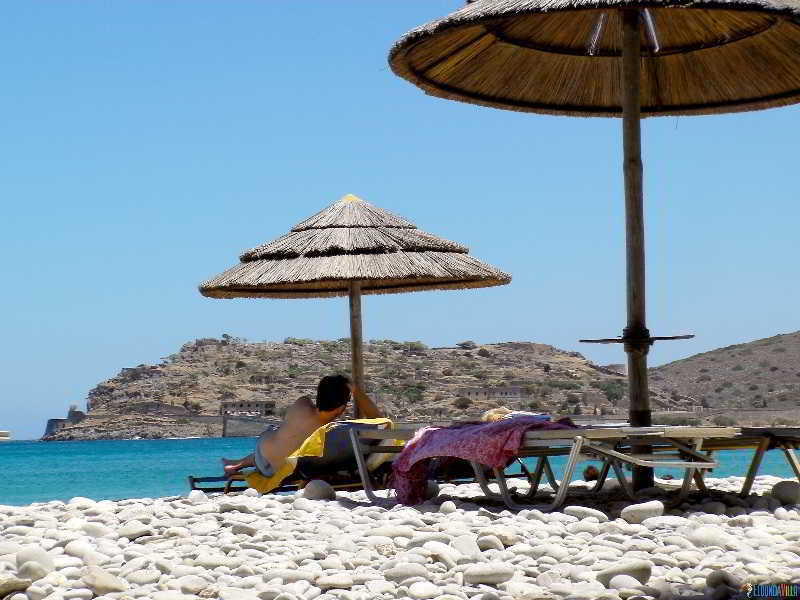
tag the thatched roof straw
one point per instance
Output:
(714, 56)
(352, 240)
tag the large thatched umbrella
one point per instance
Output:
(352, 248)
(613, 58)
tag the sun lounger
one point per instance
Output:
(760, 439)
(327, 454)
(496, 442)
(670, 447)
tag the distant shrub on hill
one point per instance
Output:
(462, 403)
(562, 384)
(415, 346)
(614, 389)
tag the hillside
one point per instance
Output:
(183, 394)
(763, 374)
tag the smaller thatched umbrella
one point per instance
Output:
(352, 248)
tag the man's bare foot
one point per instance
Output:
(231, 466)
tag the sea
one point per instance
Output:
(34, 471)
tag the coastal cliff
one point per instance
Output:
(187, 393)
(184, 395)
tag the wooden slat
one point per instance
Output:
(792, 432)
(381, 449)
(386, 434)
(659, 456)
(680, 431)
(608, 433)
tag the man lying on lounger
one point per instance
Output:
(302, 419)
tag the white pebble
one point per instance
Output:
(637, 513)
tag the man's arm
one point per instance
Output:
(366, 407)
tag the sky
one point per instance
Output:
(147, 143)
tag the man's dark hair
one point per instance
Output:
(333, 391)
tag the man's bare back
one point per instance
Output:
(301, 420)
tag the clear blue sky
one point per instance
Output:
(147, 143)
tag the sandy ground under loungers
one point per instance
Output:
(291, 547)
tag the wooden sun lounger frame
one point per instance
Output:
(361, 451)
(695, 460)
(676, 447)
(671, 447)
(760, 439)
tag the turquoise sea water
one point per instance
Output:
(115, 469)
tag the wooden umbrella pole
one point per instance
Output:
(355, 339)
(636, 335)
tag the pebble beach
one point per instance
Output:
(453, 547)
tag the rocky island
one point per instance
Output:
(189, 393)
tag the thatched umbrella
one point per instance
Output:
(352, 248)
(611, 58)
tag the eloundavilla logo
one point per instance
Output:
(772, 590)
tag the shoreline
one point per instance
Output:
(289, 547)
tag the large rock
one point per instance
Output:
(37, 555)
(134, 529)
(9, 547)
(506, 535)
(304, 504)
(636, 513)
(447, 555)
(557, 551)
(319, 490)
(709, 535)
(490, 573)
(290, 575)
(404, 570)
(32, 570)
(102, 582)
(786, 492)
(581, 512)
(424, 590)
(79, 548)
(490, 542)
(192, 584)
(144, 576)
(336, 581)
(10, 584)
(467, 545)
(197, 497)
(623, 582)
(638, 569)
